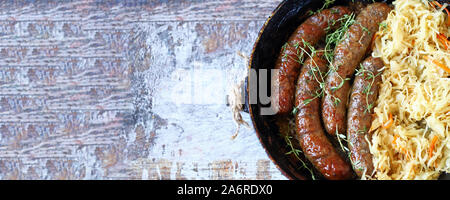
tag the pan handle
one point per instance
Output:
(244, 93)
(243, 96)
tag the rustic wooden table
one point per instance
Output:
(126, 89)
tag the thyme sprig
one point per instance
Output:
(344, 138)
(312, 72)
(340, 138)
(337, 36)
(325, 5)
(297, 153)
(367, 75)
(331, 41)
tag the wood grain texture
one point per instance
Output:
(126, 89)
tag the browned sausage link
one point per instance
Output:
(363, 96)
(313, 141)
(291, 55)
(347, 55)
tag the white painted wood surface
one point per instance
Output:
(126, 90)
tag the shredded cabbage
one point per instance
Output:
(415, 91)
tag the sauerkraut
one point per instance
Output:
(410, 128)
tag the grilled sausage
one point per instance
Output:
(363, 96)
(289, 61)
(347, 55)
(313, 140)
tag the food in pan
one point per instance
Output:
(411, 137)
(293, 52)
(363, 95)
(376, 79)
(311, 136)
(347, 56)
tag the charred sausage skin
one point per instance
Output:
(290, 59)
(363, 96)
(313, 140)
(347, 55)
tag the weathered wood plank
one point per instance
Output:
(138, 11)
(94, 90)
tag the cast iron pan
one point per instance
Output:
(275, 32)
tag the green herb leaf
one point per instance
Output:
(337, 36)
(336, 100)
(295, 111)
(297, 153)
(383, 25)
(307, 101)
(334, 88)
